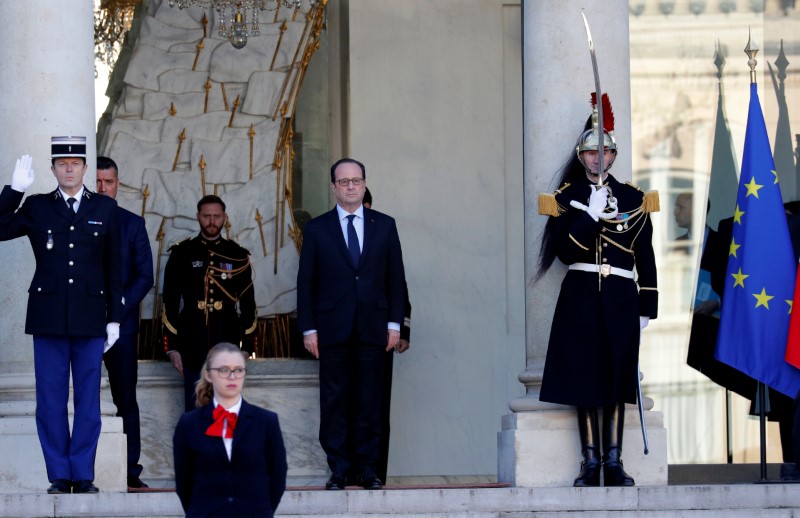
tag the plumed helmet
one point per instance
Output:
(589, 140)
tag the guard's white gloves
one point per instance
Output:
(643, 321)
(23, 174)
(598, 202)
(112, 335)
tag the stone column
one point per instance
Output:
(538, 444)
(46, 89)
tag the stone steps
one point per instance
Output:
(751, 500)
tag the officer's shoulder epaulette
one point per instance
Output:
(650, 202)
(178, 243)
(548, 205)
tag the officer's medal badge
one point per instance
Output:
(225, 266)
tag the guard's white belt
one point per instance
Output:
(604, 269)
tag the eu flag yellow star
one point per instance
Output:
(762, 298)
(739, 278)
(734, 248)
(737, 215)
(776, 175)
(790, 305)
(752, 187)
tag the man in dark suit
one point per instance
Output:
(350, 302)
(122, 361)
(75, 301)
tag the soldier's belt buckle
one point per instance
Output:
(605, 270)
(218, 305)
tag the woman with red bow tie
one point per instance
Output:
(229, 454)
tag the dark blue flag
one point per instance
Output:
(759, 281)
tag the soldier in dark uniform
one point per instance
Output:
(602, 234)
(212, 277)
(75, 304)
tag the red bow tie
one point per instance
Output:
(221, 415)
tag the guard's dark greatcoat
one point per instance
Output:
(593, 351)
(211, 277)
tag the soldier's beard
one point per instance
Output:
(211, 232)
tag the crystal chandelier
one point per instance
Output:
(238, 19)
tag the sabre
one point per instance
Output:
(599, 93)
(641, 408)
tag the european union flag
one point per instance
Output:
(757, 303)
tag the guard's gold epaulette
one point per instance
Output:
(548, 206)
(650, 202)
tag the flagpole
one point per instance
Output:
(751, 50)
(762, 415)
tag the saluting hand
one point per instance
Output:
(23, 174)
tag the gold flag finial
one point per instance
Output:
(203, 174)
(251, 134)
(145, 194)
(181, 138)
(200, 46)
(751, 50)
(261, 232)
(233, 111)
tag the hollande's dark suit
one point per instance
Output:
(251, 483)
(76, 290)
(122, 360)
(350, 308)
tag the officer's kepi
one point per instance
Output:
(65, 147)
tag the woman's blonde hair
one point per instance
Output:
(203, 389)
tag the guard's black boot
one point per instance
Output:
(613, 425)
(588, 430)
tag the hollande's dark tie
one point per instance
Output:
(71, 202)
(352, 241)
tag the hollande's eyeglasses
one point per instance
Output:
(343, 182)
(225, 372)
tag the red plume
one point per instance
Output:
(608, 114)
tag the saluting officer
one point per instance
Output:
(75, 302)
(602, 232)
(212, 276)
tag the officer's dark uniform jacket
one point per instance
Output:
(75, 291)
(213, 280)
(593, 351)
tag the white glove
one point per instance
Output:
(23, 174)
(112, 335)
(643, 321)
(598, 202)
